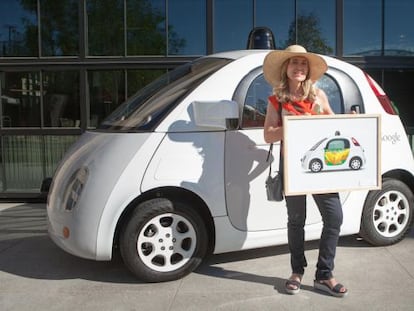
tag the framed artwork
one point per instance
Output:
(331, 153)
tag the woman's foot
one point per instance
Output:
(292, 285)
(331, 287)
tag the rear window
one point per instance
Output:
(145, 110)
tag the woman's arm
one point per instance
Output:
(272, 132)
(323, 101)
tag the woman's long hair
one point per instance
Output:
(282, 90)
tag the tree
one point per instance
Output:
(309, 34)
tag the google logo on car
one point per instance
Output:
(391, 138)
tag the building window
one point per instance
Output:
(187, 27)
(106, 92)
(278, 16)
(27, 159)
(59, 27)
(20, 99)
(233, 20)
(61, 106)
(362, 27)
(18, 28)
(316, 26)
(146, 30)
(399, 30)
(105, 27)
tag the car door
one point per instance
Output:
(245, 159)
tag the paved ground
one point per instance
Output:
(36, 275)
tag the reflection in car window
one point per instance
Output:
(329, 86)
(255, 103)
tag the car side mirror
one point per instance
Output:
(223, 114)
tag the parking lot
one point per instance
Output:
(36, 275)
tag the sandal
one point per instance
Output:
(292, 283)
(334, 291)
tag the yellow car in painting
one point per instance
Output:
(336, 153)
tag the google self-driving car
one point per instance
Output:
(334, 153)
(179, 171)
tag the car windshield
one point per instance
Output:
(144, 110)
(317, 144)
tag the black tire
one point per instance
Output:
(387, 214)
(355, 163)
(315, 165)
(163, 241)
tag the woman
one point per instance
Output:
(292, 73)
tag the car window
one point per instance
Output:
(329, 86)
(337, 144)
(144, 110)
(255, 103)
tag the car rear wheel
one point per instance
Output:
(355, 163)
(163, 241)
(387, 214)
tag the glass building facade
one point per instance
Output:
(65, 65)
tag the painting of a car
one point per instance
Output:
(335, 153)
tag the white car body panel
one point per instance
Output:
(193, 161)
(86, 221)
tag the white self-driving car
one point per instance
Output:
(334, 153)
(179, 171)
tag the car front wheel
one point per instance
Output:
(315, 165)
(387, 214)
(163, 241)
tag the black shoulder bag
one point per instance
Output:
(274, 185)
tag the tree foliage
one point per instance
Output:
(309, 34)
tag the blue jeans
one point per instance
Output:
(330, 208)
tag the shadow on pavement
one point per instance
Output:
(27, 251)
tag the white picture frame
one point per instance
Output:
(331, 153)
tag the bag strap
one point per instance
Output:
(278, 107)
(268, 157)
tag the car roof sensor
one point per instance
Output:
(261, 38)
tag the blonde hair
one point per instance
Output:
(282, 89)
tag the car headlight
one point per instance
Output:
(75, 187)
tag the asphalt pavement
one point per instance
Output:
(36, 275)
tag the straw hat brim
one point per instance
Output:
(272, 65)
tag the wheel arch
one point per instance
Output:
(402, 175)
(174, 194)
(315, 159)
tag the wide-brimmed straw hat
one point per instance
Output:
(273, 62)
